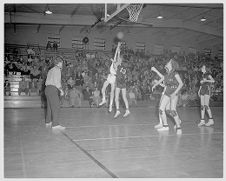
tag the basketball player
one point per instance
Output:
(173, 85)
(204, 94)
(111, 78)
(53, 85)
(121, 85)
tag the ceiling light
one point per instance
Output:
(203, 19)
(159, 17)
(48, 11)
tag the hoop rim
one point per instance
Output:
(134, 11)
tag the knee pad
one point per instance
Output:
(168, 111)
(206, 107)
(173, 113)
(160, 111)
(202, 108)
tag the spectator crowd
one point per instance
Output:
(83, 77)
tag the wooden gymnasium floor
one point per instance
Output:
(96, 145)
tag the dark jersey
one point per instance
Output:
(121, 77)
(171, 83)
(205, 87)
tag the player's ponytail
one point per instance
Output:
(175, 65)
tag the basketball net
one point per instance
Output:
(134, 11)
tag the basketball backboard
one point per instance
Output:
(112, 10)
(127, 12)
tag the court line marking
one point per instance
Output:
(91, 157)
(108, 125)
(22, 158)
(126, 137)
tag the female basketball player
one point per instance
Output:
(173, 84)
(121, 85)
(111, 78)
(204, 94)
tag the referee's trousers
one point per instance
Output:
(53, 105)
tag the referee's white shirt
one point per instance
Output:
(54, 77)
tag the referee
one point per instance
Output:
(53, 86)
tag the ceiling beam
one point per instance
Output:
(38, 28)
(178, 23)
(61, 28)
(197, 15)
(180, 13)
(116, 24)
(195, 6)
(61, 19)
(31, 9)
(54, 19)
(214, 20)
(75, 10)
(85, 28)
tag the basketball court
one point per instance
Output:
(95, 145)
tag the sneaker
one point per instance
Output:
(158, 126)
(110, 109)
(175, 126)
(179, 131)
(49, 125)
(202, 123)
(210, 122)
(164, 128)
(126, 113)
(102, 102)
(58, 127)
(117, 114)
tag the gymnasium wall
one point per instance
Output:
(152, 37)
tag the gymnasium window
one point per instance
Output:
(77, 43)
(140, 47)
(99, 44)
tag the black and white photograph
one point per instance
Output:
(112, 90)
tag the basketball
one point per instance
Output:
(120, 35)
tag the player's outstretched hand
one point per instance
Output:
(153, 69)
(61, 92)
(153, 87)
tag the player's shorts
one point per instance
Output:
(121, 84)
(169, 91)
(111, 78)
(205, 90)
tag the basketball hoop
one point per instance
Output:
(134, 11)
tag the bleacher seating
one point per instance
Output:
(14, 78)
(22, 101)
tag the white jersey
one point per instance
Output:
(112, 76)
(112, 69)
